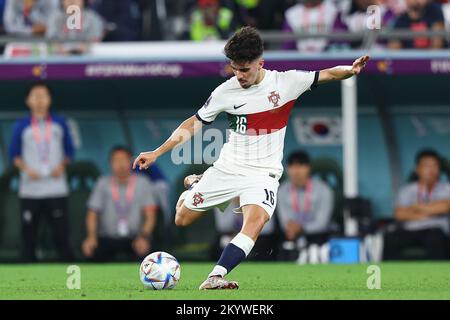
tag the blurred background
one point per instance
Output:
(126, 73)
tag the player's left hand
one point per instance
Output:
(144, 160)
(141, 246)
(359, 64)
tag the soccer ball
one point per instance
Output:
(159, 270)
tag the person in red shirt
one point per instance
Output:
(420, 15)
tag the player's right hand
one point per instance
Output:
(144, 160)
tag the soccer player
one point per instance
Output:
(258, 103)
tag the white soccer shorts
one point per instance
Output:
(218, 188)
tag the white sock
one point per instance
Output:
(244, 242)
(218, 271)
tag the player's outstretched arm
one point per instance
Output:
(342, 72)
(181, 134)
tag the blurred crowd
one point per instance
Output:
(124, 206)
(200, 20)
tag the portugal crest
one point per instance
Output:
(274, 98)
(198, 199)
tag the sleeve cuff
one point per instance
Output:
(200, 119)
(316, 80)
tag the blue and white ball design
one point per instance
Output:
(160, 270)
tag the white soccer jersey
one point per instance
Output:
(258, 117)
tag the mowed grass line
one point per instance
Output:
(280, 281)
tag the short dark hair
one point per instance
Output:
(120, 148)
(428, 153)
(37, 85)
(299, 157)
(244, 46)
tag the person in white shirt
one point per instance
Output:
(310, 16)
(258, 103)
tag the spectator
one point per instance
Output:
(90, 29)
(261, 14)
(28, 17)
(2, 12)
(397, 7)
(121, 212)
(422, 212)
(41, 148)
(352, 17)
(161, 189)
(446, 12)
(310, 16)
(123, 17)
(211, 21)
(420, 15)
(228, 225)
(305, 204)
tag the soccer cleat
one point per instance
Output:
(218, 283)
(190, 180)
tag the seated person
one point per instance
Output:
(422, 211)
(121, 212)
(123, 18)
(229, 224)
(28, 17)
(353, 17)
(310, 16)
(161, 188)
(210, 21)
(89, 31)
(420, 15)
(304, 204)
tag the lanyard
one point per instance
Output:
(423, 195)
(307, 199)
(42, 143)
(122, 211)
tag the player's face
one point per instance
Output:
(299, 174)
(247, 73)
(428, 170)
(39, 100)
(121, 164)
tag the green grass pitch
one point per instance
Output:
(418, 280)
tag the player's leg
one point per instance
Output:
(185, 216)
(212, 189)
(258, 201)
(254, 219)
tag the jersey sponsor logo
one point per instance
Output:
(198, 199)
(239, 106)
(274, 98)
